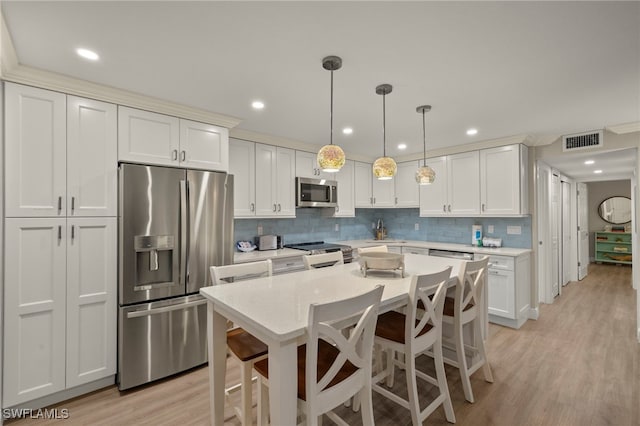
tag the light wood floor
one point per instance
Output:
(579, 364)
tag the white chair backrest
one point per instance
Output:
(422, 287)
(471, 281)
(370, 249)
(357, 349)
(241, 271)
(321, 260)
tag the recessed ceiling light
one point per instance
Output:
(597, 171)
(472, 132)
(88, 54)
(257, 104)
(402, 146)
(588, 162)
(347, 130)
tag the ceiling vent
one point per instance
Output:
(582, 141)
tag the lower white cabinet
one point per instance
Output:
(415, 250)
(59, 306)
(509, 289)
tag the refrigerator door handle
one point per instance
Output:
(184, 231)
(147, 312)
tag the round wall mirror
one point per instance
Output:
(616, 210)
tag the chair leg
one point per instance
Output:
(263, 403)
(366, 402)
(462, 363)
(245, 402)
(355, 406)
(390, 367)
(442, 382)
(412, 388)
(486, 368)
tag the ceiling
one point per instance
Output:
(505, 68)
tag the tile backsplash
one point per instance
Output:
(317, 225)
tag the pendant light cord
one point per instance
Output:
(384, 133)
(331, 111)
(424, 139)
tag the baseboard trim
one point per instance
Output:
(66, 394)
(534, 313)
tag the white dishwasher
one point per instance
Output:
(285, 265)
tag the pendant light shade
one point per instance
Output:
(425, 174)
(384, 168)
(331, 157)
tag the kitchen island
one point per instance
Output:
(275, 309)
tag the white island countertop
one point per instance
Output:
(257, 255)
(466, 248)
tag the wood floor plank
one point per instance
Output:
(579, 364)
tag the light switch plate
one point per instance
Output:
(514, 230)
(416, 227)
(259, 230)
(337, 227)
(490, 229)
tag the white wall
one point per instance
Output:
(598, 192)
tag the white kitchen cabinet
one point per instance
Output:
(504, 180)
(60, 303)
(275, 181)
(406, 188)
(508, 290)
(35, 152)
(383, 192)
(204, 146)
(415, 250)
(394, 249)
(151, 138)
(363, 177)
(456, 190)
(61, 155)
(92, 157)
(307, 166)
(346, 190)
(242, 165)
(34, 308)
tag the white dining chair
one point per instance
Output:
(411, 333)
(464, 308)
(312, 261)
(382, 248)
(243, 346)
(332, 367)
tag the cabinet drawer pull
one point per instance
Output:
(174, 154)
(183, 155)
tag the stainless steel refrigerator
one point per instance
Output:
(173, 225)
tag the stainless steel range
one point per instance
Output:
(318, 247)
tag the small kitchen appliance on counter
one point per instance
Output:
(269, 242)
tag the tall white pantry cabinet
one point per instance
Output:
(60, 249)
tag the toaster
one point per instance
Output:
(269, 242)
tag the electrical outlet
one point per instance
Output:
(373, 225)
(260, 230)
(416, 227)
(337, 227)
(514, 230)
(490, 229)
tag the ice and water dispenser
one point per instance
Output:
(154, 261)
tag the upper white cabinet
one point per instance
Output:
(307, 166)
(346, 190)
(151, 138)
(35, 152)
(504, 180)
(61, 154)
(275, 181)
(456, 190)
(383, 192)
(406, 187)
(242, 165)
(362, 174)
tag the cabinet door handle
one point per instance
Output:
(370, 200)
(59, 233)
(73, 232)
(396, 200)
(73, 204)
(337, 208)
(174, 154)
(59, 205)
(444, 208)
(279, 207)
(253, 207)
(482, 206)
(449, 208)
(274, 207)
(183, 155)
(374, 200)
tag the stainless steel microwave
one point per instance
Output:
(316, 192)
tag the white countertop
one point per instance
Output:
(256, 255)
(467, 248)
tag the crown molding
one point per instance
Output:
(624, 128)
(12, 70)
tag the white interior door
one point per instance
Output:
(555, 235)
(566, 233)
(544, 232)
(583, 231)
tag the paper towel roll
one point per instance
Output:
(476, 231)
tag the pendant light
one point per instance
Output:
(384, 168)
(425, 174)
(331, 157)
